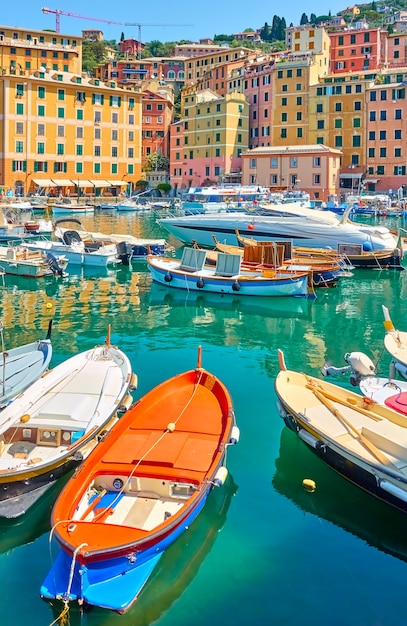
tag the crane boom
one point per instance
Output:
(58, 13)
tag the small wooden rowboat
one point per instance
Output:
(362, 440)
(228, 276)
(55, 423)
(23, 365)
(139, 490)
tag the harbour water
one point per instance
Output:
(264, 550)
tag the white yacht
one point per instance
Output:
(281, 222)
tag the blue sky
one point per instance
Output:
(183, 20)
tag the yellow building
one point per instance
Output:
(63, 130)
(215, 132)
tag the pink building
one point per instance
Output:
(386, 137)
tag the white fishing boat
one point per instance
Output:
(78, 251)
(22, 261)
(136, 248)
(55, 423)
(367, 445)
(22, 365)
(302, 226)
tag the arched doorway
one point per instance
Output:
(19, 188)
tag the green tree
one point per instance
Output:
(158, 161)
(304, 19)
(265, 32)
(313, 18)
(164, 187)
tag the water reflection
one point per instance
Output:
(335, 499)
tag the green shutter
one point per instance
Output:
(111, 100)
(13, 166)
(102, 99)
(45, 166)
(35, 166)
(65, 168)
(93, 98)
(24, 166)
(119, 101)
(55, 166)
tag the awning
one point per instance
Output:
(45, 182)
(371, 180)
(63, 182)
(99, 183)
(117, 183)
(351, 176)
(83, 184)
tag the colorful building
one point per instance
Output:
(312, 169)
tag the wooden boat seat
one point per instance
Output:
(325, 421)
(66, 408)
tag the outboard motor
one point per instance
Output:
(124, 252)
(359, 366)
(54, 266)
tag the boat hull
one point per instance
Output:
(244, 284)
(299, 230)
(116, 582)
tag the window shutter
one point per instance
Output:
(55, 166)
(102, 99)
(119, 101)
(46, 166)
(65, 168)
(111, 100)
(24, 166)
(13, 166)
(35, 166)
(93, 98)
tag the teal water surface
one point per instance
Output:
(263, 550)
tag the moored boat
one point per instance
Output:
(139, 490)
(22, 261)
(54, 424)
(22, 365)
(365, 444)
(227, 276)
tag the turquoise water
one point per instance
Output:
(263, 551)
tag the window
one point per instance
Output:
(61, 94)
(19, 128)
(217, 137)
(320, 124)
(317, 179)
(274, 162)
(79, 150)
(338, 123)
(41, 110)
(338, 106)
(284, 117)
(19, 166)
(115, 101)
(397, 152)
(320, 108)
(41, 130)
(131, 120)
(283, 102)
(41, 92)
(19, 146)
(400, 170)
(358, 105)
(372, 116)
(114, 151)
(371, 153)
(383, 94)
(293, 161)
(130, 153)
(380, 170)
(283, 133)
(60, 148)
(115, 118)
(253, 163)
(61, 112)
(317, 161)
(356, 141)
(397, 134)
(20, 108)
(114, 168)
(382, 135)
(338, 141)
(96, 151)
(373, 96)
(78, 168)
(299, 101)
(383, 153)
(114, 135)
(299, 116)
(79, 132)
(299, 132)
(356, 122)
(97, 133)
(372, 135)
(382, 116)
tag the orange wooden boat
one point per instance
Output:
(140, 489)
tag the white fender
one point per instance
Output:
(220, 476)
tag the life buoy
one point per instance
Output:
(250, 226)
(236, 286)
(200, 283)
(168, 277)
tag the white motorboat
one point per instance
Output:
(302, 226)
(21, 261)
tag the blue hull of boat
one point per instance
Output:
(112, 583)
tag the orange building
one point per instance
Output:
(157, 108)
